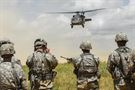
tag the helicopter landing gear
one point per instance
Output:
(83, 25)
(71, 25)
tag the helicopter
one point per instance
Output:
(79, 18)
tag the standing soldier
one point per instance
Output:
(41, 64)
(118, 64)
(86, 68)
(11, 73)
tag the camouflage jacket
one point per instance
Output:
(118, 61)
(87, 65)
(44, 61)
(12, 76)
(132, 59)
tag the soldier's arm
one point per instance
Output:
(24, 83)
(17, 61)
(29, 61)
(110, 63)
(132, 61)
(52, 60)
(74, 61)
(55, 62)
(69, 60)
(97, 62)
(20, 76)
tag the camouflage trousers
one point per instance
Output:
(126, 86)
(84, 85)
(43, 85)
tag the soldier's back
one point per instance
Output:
(7, 78)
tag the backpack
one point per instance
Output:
(88, 64)
(40, 64)
(124, 62)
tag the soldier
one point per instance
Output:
(41, 65)
(118, 64)
(86, 68)
(11, 74)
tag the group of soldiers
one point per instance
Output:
(41, 64)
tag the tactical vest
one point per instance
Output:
(88, 64)
(123, 61)
(40, 65)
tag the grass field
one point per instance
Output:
(66, 80)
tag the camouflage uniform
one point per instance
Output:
(41, 65)
(86, 69)
(11, 73)
(118, 64)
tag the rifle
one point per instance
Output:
(68, 59)
(75, 71)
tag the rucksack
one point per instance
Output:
(88, 64)
(40, 63)
(124, 62)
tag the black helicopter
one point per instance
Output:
(79, 18)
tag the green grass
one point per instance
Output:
(66, 80)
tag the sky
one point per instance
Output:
(23, 21)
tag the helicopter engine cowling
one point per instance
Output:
(88, 19)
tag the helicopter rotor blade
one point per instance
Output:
(75, 11)
(62, 12)
(93, 10)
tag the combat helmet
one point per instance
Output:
(40, 41)
(7, 49)
(86, 45)
(5, 41)
(121, 37)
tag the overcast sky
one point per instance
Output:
(22, 21)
